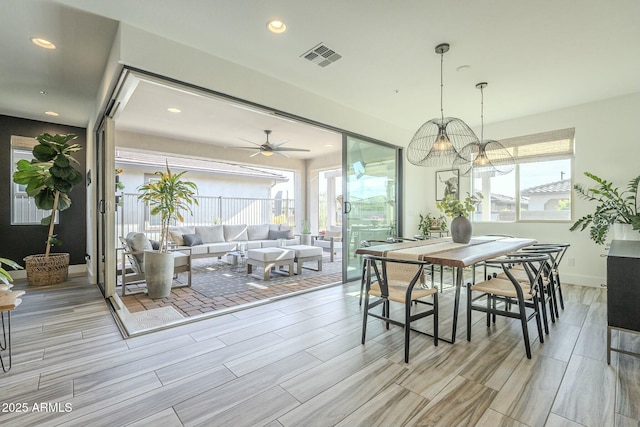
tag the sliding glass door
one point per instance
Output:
(372, 201)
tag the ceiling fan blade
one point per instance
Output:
(245, 148)
(278, 144)
(251, 142)
(255, 154)
(277, 152)
(290, 149)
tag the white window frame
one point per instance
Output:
(22, 144)
(538, 148)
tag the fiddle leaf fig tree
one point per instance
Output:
(50, 176)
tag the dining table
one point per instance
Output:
(445, 252)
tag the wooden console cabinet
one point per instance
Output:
(623, 290)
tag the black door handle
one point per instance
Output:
(347, 207)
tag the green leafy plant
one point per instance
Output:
(4, 276)
(168, 197)
(429, 222)
(454, 208)
(613, 206)
(50, 176)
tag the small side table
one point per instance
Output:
(9, 300)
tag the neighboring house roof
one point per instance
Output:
(206, 166)
(563, 186)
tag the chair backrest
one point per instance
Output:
(410, 272)
(533, 264)
(137, 243)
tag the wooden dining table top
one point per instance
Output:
(444, 251)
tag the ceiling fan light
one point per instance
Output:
(266, 153)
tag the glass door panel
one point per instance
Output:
(371, 208)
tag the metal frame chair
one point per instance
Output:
(399, 281)
(510, 291)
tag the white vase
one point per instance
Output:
(625, 232)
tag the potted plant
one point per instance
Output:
(49, 178)
(4, 275)
(459, 210)
(429, 222)
(305, 236)
(168, 196)
(613, 208)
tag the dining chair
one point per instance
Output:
(368, 243)
(399, 281)
(510, 290)
(551, 273)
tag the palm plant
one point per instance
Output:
(613, 207)
(168, 197)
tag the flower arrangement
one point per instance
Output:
(454, 208)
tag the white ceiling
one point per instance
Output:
(537, 56)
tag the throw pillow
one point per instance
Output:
(275, 235)
(155, 244)
(192, 239)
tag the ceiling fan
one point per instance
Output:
(268, 149)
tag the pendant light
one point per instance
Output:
(484, 157)
(437, 142)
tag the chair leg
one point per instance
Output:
(435, 319)
(552, 292)
(364, 318)
(362, 281)
(525, 329)
(535, 304)
(488, 310)
(468, 312)
(560, 291)
(407, 329)
(543, 308)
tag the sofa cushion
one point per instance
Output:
(274, 227)
(258, 232)
(270, 254)
(180, 259)
(275, 235)
(304, 251)
(337, 235)
(192, 239)
(138, 242)
(284, 227)
(211, 233)
(175, 233)
(220, 248)
(235, 232)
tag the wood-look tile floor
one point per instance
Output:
(299, 362)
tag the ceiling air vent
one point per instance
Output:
(321, 55)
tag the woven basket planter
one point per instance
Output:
(42, 271)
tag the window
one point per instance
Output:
(23, 207)
(539, 187)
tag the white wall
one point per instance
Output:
(606, 144)
(605, 135)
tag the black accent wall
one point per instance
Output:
(18, 241)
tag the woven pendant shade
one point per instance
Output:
(484, 158)
(438, 141)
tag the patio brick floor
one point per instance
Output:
(190, 302)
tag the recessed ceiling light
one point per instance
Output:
(51, 113)
(463, 68)
(43, 43)
(328, 145)
(43, 92)
(174, 110)
(276, 26)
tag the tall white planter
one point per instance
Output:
(158, 273)
(625, 232)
